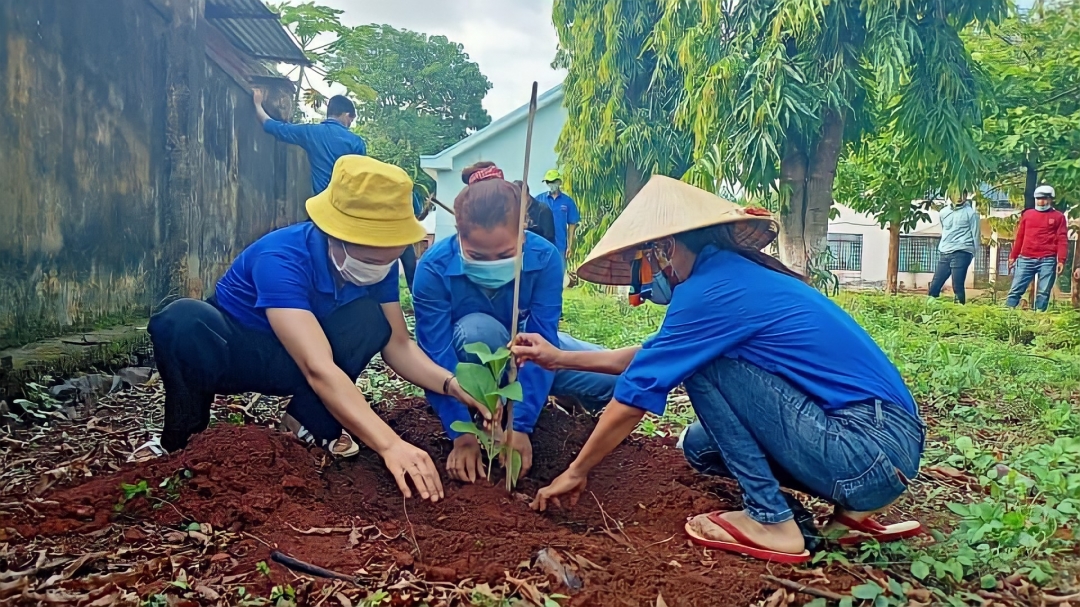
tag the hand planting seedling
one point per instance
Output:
(482, 381)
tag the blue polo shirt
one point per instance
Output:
(733, 307)
(442, 295)
(324, 144)
(565, 212)
(291, 268)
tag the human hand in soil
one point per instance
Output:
(569, 484)
(522, 443)
(533, 347)
(404, 459)
(465, 462)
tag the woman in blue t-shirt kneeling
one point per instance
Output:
(464, 294)
(789, 391)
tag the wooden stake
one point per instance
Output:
(513, 373)
(441, 205)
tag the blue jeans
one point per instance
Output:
(757, 428)
(1026, 269)
(592, 390)
(952, 265)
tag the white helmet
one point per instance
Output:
(1044, 191)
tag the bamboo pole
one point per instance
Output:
(517, 283)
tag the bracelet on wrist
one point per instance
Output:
(446, 385)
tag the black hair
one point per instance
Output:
(486, 204)
(338, 105)
(722, 237)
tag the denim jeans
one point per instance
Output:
(952, 265)
(1026, 269)
(757, 428)
(592, 390)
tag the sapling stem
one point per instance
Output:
(508, 453)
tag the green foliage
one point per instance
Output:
(375, 599)
(130, 492)
(1032, 99)
(482, 383)
(39, 402)
(620, 128)
(263, 568)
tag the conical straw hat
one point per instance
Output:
(665, 207)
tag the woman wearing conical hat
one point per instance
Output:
(301, 312)
(789, 391)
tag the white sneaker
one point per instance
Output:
(344, 447)
(682, 436)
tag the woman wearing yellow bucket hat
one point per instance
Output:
(788, 389)
(301, 312)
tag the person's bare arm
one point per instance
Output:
(406, 358)
(616, 423)
(533, 347)
(571, 231)
(258, 96)
(299, 331)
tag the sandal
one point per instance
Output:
(742, 544)
(343, 447)
(867, 529)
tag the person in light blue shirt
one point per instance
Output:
(463, 293)
(324, 142)
(960, 239)
(564, 211)
(788, 390)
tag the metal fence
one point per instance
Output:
(845, 252)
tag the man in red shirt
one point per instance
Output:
(1041, 246)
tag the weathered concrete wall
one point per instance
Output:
(132, 168)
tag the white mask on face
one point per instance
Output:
(359, 273)
(1043, 204)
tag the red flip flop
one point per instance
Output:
(742, 544)
(867, 529)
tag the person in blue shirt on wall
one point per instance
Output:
(564, 211)
(300, 313)
(464, 293)
(324, 142)
(788, 390)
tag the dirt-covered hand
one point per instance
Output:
(454, 389)
(569, 484)
(404, 459)
(533, 347)
(522, 443)
(465, 462)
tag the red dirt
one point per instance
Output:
(258, 481)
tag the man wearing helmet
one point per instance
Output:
(1040, 248)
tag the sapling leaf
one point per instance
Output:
(496, 361)
(470, 428)
(511, 392)
(480, 350)
(477, 381)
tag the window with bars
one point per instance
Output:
(919, 253)
(1004, 249)
(845, 252)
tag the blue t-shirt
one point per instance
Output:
(324, 144)
(291, 268)
(442, 295)
(733, 307)
(564, 211)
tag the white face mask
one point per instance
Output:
(1043, 204)
(361, 274)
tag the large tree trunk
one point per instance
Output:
(893, 271)
(633, 181)
(1031, 180)
(804, 224)
(1074, 294)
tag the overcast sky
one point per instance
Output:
(513, 41)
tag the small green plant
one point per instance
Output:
(482, 382)
(375, 599)
(263, 568)
(173, 484)
(156, 600)
(236, 419)
(283, 596)
(130, 492)
(39, 402)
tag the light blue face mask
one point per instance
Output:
(488, 274)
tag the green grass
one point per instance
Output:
(1000, 390)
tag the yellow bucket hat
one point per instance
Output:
(367, 203)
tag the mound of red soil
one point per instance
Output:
(271, 487)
